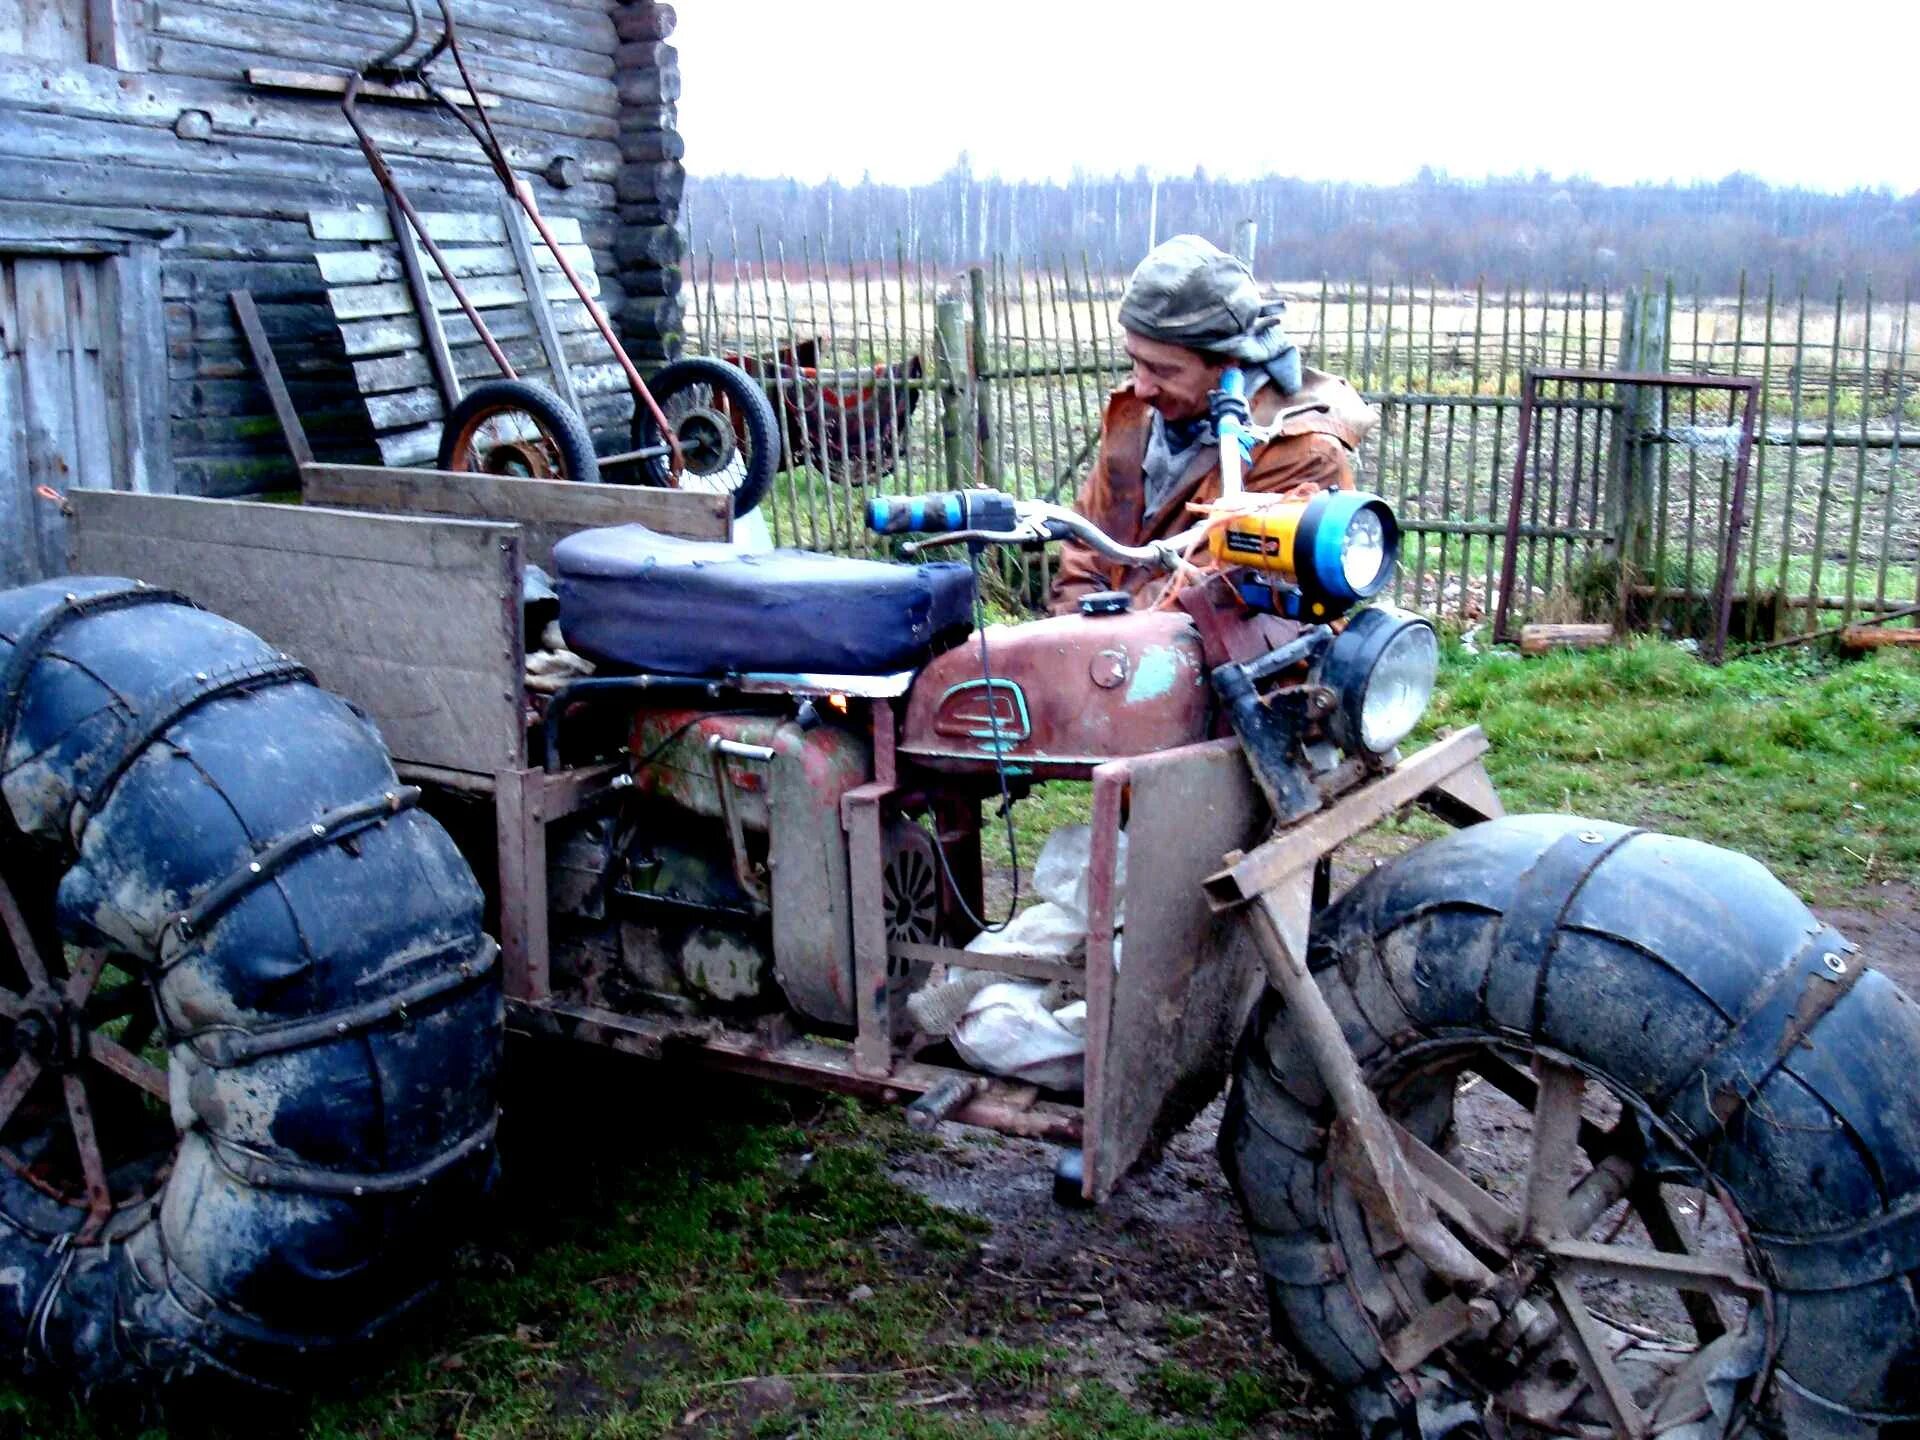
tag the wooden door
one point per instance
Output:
(64, 411)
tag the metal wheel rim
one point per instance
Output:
(1604, 1400)
(704, 424)
(495, 442)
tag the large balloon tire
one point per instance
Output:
(235, 840)
(687, 392)
(1689, 980)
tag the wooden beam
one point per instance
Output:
(1539, 639)
(1249, 875)
(248, 315)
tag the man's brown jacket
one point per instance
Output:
(1314, 451)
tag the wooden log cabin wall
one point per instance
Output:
(145, 175)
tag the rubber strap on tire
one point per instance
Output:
(1792, 1002)
(1523, 951)
(144, 729)
(223, 1049)
(33, 641)
(251, 1167)
(274, 857)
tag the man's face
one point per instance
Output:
(1171, 378)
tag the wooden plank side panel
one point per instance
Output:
(367, 267)
(415, 620)
(546, 510)
(390, 334)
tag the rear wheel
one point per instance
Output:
(1680, 1138)
(249, 1023)
(725, 425)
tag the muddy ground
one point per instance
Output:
(1164, 1269)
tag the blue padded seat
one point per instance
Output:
(634, 598)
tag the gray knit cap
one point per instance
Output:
(1190, 292)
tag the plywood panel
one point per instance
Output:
(415, 620)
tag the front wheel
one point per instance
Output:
(1681, 1136)
(725, 425)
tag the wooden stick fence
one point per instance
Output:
(1018, 353)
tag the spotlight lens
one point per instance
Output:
(1363, 551)
(1399, 689)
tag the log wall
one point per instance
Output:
(134, 123)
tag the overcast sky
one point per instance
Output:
(1814, 95)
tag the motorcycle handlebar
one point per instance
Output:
(942, 512)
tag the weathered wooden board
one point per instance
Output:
(409, 369)
(367, 302)
(417, 621)
(366, 267)
(445, 227)
(546, 510)
(415, 407)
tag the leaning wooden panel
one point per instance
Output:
(546, 510)
(1186, 977)
(417, 621)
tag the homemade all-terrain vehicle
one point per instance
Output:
(1548, 1126)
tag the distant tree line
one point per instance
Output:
(1512, 230)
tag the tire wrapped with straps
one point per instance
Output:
(251, 1021)
(1682, 1124)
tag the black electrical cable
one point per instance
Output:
(1000, 770)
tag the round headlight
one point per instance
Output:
(1381, 669)
(1347, 547)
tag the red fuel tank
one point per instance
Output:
(1071, 691)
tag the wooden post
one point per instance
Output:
(1643, 348)
(979, 361)
(950, 370)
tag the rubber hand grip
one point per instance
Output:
(941, 512)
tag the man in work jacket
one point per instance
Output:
(1189, 312)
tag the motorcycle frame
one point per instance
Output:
(347, 557)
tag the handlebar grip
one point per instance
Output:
(941, 512)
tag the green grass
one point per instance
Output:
(656, 1268)
(1809, 763)
(1812, 764)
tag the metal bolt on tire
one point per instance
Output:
(249, 1023)
(1683, 1140)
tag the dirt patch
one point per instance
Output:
(1157, 1285)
